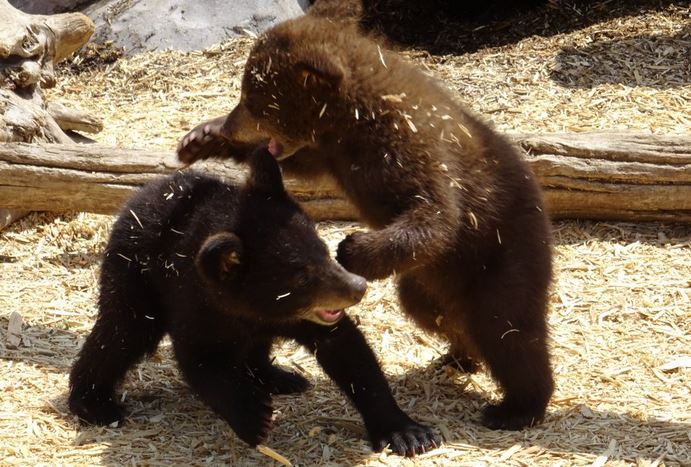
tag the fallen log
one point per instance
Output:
(613, 175)
(617, 176)
(99, 179)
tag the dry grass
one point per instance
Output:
(620, 319)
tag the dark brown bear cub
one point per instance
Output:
(455, 212)
(226, 270)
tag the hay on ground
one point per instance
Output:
(620, 306)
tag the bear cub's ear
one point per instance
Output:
(315, 68)
(220, 257)
(265, 175)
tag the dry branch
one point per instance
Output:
(73, 119)
(586, 175)
(30, 46)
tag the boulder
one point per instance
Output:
(141, 25)
(48, 7)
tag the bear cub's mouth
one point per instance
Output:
(283, 149)
(276, 149)
(327, 317)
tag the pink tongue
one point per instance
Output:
(330, 316)
(275, 148)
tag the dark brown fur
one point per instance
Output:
(226, 270)
(455, 212)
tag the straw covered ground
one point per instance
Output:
(620, 306)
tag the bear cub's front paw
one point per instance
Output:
(406, 438)
(96, 407)
(352, 254)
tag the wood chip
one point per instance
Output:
(267, 451)
(681, 362)
(604, 457)
(381, 56)
(14, 330)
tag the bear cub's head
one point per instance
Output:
(271, 265)
(294, 88)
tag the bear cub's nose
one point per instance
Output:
(357, 286)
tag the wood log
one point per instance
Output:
(617, 176)
(44, 40)
(613, 175)
(73, 119)
(27, 121)
(30, 46)
(93, 178)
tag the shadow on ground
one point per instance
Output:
(457, 27)
(165, 416)
(159, 417)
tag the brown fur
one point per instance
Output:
(455, 212)
(339, 10)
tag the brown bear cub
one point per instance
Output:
(225, 271)
(455, 212)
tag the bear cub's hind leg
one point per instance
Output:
(123, 333)
(510, 333)
(221, 381)
(278, 380)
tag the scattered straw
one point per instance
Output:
(267, 451)
(620, 307)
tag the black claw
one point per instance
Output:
(413, 444)
(407, 440)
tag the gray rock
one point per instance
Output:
(47, 7)
(140, 25)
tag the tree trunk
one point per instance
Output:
(616, 176)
